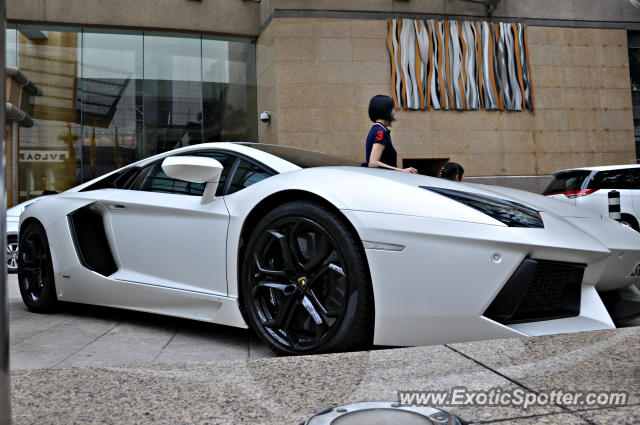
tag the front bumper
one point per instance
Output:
(437, 289)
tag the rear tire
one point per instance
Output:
(305, 283)
(35, 269)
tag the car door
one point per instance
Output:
(162, 234)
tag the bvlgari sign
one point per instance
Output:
(42, 156)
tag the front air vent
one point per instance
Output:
(539, 290)
(90, 240)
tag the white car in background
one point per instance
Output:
(589, 188)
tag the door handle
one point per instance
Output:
(117, 207)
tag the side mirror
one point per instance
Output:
(195, 169)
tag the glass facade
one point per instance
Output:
(114, 97)
(633, 39)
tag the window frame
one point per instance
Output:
(232, 172)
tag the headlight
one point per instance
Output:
(510, 213)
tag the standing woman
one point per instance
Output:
(380, 150)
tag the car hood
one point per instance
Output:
(536, 201)
(391, 191)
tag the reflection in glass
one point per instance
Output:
(229, 91)
(110, 101)
(49, 152)
(11, 41)
(634, 71)
(112, 97)
(172, 93)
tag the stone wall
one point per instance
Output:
(569, 10)
(317, 76)
(233, 17)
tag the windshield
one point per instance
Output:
(303, 158)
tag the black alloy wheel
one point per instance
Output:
(305, 284)
(35, 270)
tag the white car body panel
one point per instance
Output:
(190, 231)
(453, 263)
(13, 216)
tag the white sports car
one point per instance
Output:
(317, 256)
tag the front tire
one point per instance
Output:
(35, 269)
(305, 282)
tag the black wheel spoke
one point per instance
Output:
(26, 284)
(285, 312)
(314, 312)
(320, 251)
(320, 332)
(30, 254)
(286, 289)
(296, 253)
(32, 268)
(326, 314)
(325, 266)
(28, 262)
(289, 339)
(288, 257)
(267, 272)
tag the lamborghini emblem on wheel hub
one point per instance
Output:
(302, 281)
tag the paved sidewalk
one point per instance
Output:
(83, 335)
(288, 390)
(98, 365)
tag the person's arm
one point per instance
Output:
(376, 154)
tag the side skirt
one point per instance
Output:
(100, 290)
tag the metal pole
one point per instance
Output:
(5, 394)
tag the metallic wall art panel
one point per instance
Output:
(460, 65)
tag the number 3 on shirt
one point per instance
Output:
(380, 135)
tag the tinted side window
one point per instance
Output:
(567, 182)
(117, 180)
(613, 179)
(633, 178)
(226, 160)
(246, 175)
(153, 179)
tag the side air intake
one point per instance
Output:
(90, 240)
(539, 290)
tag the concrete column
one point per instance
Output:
(5, 395)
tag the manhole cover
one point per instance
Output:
(382, 413)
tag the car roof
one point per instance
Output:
(599, 168)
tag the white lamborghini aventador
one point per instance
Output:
(317, 255)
